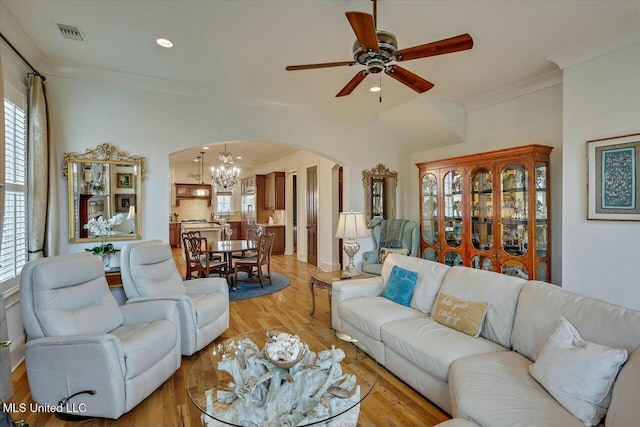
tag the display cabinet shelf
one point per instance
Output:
(489, 211)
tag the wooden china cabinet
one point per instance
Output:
(489, 211)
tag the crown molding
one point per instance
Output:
(588, 51)
(514, 91)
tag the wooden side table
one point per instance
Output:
(324, 280)
(114, 279)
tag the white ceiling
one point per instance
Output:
(239, 48)
(254, 154)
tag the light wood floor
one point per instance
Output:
(392, 402)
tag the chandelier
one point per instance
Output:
(225, 176)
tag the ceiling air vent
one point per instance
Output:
(70, 32)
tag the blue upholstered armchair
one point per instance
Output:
(392, 235)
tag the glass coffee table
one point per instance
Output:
(314, 391)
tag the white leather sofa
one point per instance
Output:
(485, 380)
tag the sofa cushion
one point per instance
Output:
(145, 344)
(625, 407)
(577, 373)
(495, 389)
(432, 346)
(430, 277)
(541, 305)
(368, 314)
(400, 286)
(499, 290)
(461, 315)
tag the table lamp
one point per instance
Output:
(350, 227)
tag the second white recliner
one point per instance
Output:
(149, 272)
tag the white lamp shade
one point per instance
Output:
(351, 226)
(132, 212)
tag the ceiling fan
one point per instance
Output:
(377, 49)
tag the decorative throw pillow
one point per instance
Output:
(577, 373)
(382, 254)
(400, 285)
(461, 315)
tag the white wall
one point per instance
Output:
(535, 118)
(327, 204)
(601, 99)
(155, 124)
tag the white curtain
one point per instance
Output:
(6, 389)
(43, 221)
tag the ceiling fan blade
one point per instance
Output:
(353, 83)
(323, 65)
(365, 29)
(453, 44)
(406, 77)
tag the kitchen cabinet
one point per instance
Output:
(175, 234)
(278, 241)
(489, 211)
(274, 191)
(235, 230)
(193, 191)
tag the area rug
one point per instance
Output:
(252, 289)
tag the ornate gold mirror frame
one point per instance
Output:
(104, 181)
(379, 193)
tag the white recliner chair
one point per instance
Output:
(84, 351)
(149, 272)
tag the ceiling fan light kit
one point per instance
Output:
(376, 50)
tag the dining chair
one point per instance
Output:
(85, 351)
(263, 258)
(253, 232)
(149, 272)
(199, 264)
(196, 234)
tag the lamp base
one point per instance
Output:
(351, 248)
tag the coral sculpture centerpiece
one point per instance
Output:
(310, 390)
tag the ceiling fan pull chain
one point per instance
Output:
(380, 75)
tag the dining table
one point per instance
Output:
(229, 247)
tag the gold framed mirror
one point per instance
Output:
(104, 182)
(379, 194)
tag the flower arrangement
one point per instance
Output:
(102, 228)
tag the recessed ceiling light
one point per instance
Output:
(374, 89)
(196, 160)
(205, 148)
(165, 43)
(239, 157)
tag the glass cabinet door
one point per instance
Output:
(481, 210)
(430, 208)
(541, 222)
(453, 208)
(515, 212)
(482, 262)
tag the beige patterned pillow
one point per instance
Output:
(461, 315)
(386, 251)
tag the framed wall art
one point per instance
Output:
(125, 180)
(613, 179)
(124, 201)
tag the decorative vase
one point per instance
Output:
(106, 261)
